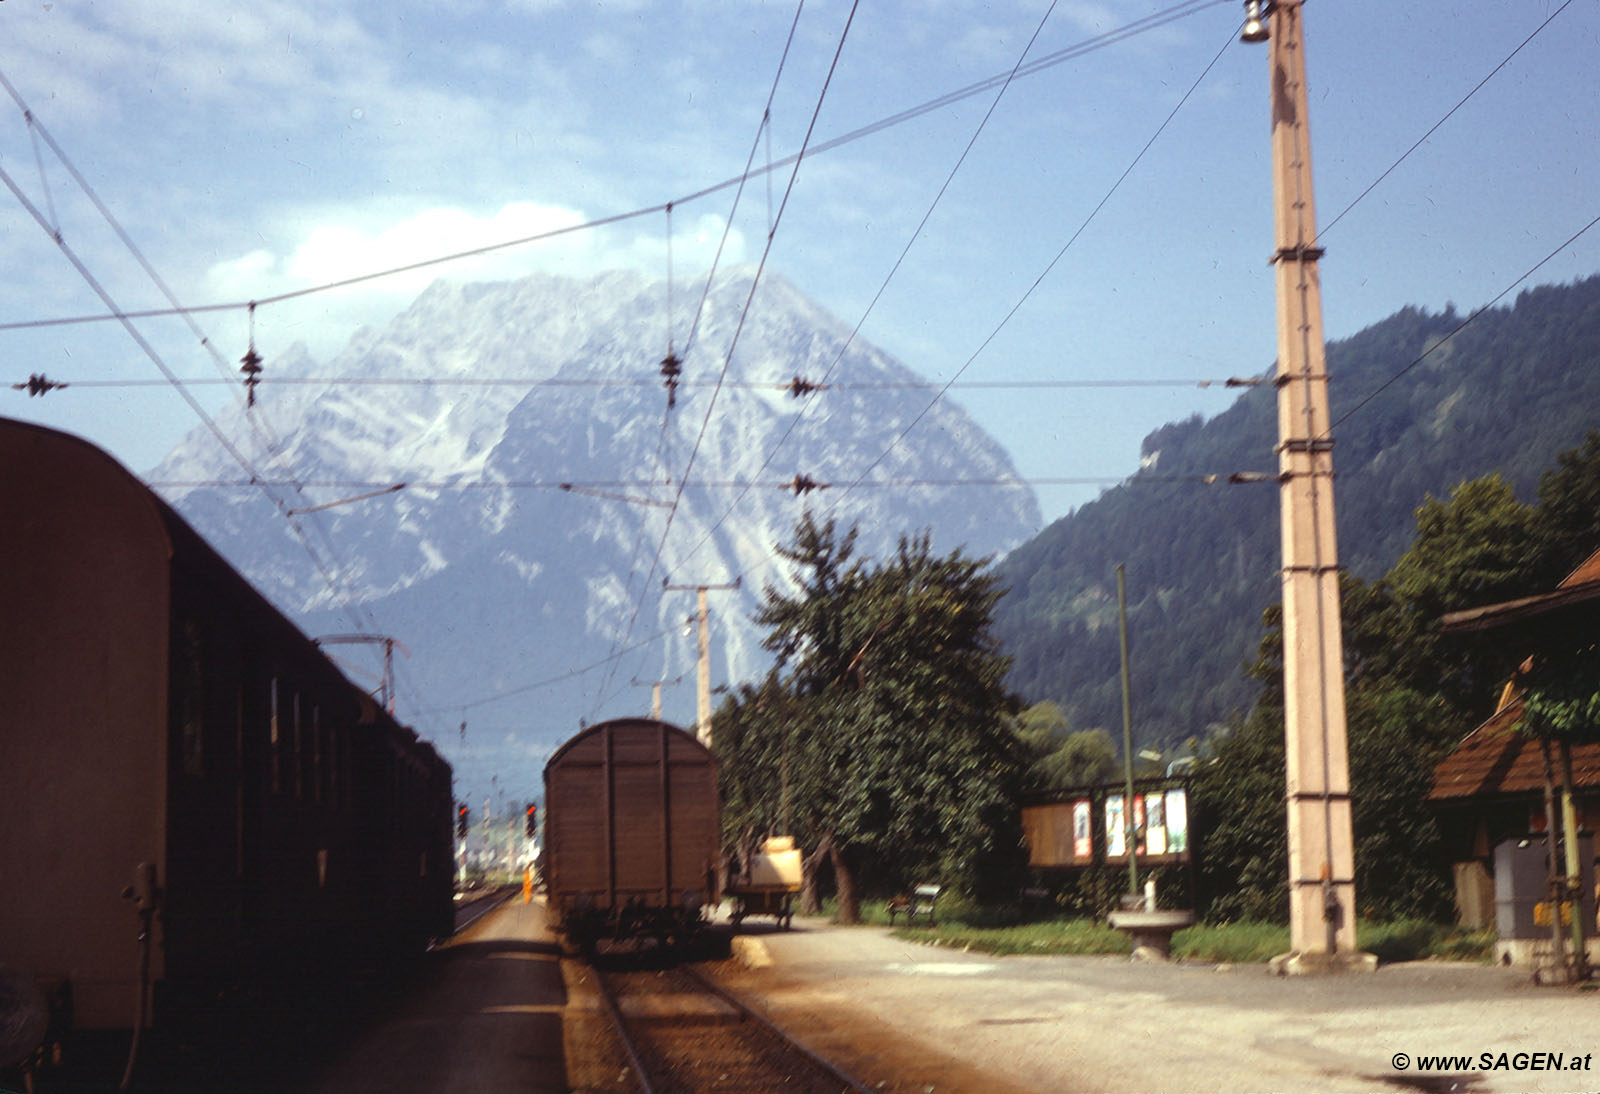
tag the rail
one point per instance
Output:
(726, 1035)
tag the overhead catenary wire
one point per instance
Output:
(150, 351)
(329, 570)
(794, 385)
(727, 229)
(755, 282)
(1457, 329)
(893, 269)
(1097, 42)
(965, 384)
(593, 487)
(270, 443)
(1420, 141)
(1039, 280)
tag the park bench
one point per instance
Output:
(919, 902)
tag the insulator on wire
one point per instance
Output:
(671, 369)
(798, 387)
(804, 484)
(252, 374)
(38, 384)
(251, 362)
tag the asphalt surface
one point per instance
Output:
(967, 1021)
(487, 1018)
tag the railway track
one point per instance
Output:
(683, 1033)
(471, 910)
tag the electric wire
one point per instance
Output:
(1447, 116)
(1457, 329)
(1088, 220)
(161, 364)
(755, 282)
(727, 229)
(270, 442)
(533, 382)
(124, 316)
(1089, 45)
(591, 487)
(893, 269)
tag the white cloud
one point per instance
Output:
(338, 246)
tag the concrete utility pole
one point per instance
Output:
(703, 723)
(655, 693)
(1322, 904)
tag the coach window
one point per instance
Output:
(274, 738)
(191, 696)
(335, 733)
(299, 764)
(316, 754)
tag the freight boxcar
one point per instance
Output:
(178, 755)
(632, 833)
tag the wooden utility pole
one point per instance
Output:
(703, 614)
(1322, 904)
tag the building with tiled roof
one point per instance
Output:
(1490, 788)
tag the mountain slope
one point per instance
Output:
(483, 399)
(1512, 389)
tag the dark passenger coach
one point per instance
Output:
(176, 752)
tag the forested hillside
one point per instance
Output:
(1514, 387)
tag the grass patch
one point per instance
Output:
(1068, 936)
(1417, 939)
(1226, 943)
(1230, 943)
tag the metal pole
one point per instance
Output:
(1322, 901)
(1555, 883)
(1127, 732)
(1574, 879)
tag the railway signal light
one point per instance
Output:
(461, 821)
(533, 819)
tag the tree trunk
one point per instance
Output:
(844, 880)
(810, 899)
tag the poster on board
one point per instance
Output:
(1082, 829)
(1116, 845)
(1177, 822)
(1155, 829)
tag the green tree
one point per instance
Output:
(907, 761)
(1478, 548)
(1085, 758)
(1569, 511)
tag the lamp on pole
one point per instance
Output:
(1322, 905)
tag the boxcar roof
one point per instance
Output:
(559, 754)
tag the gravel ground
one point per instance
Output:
(929, 1019)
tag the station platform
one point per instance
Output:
(486, 1017)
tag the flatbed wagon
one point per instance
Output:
(768, 884)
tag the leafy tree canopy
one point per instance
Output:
(1411, 694)
(892, 726)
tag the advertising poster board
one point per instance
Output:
(1082, 831)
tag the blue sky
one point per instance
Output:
(250, 150)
